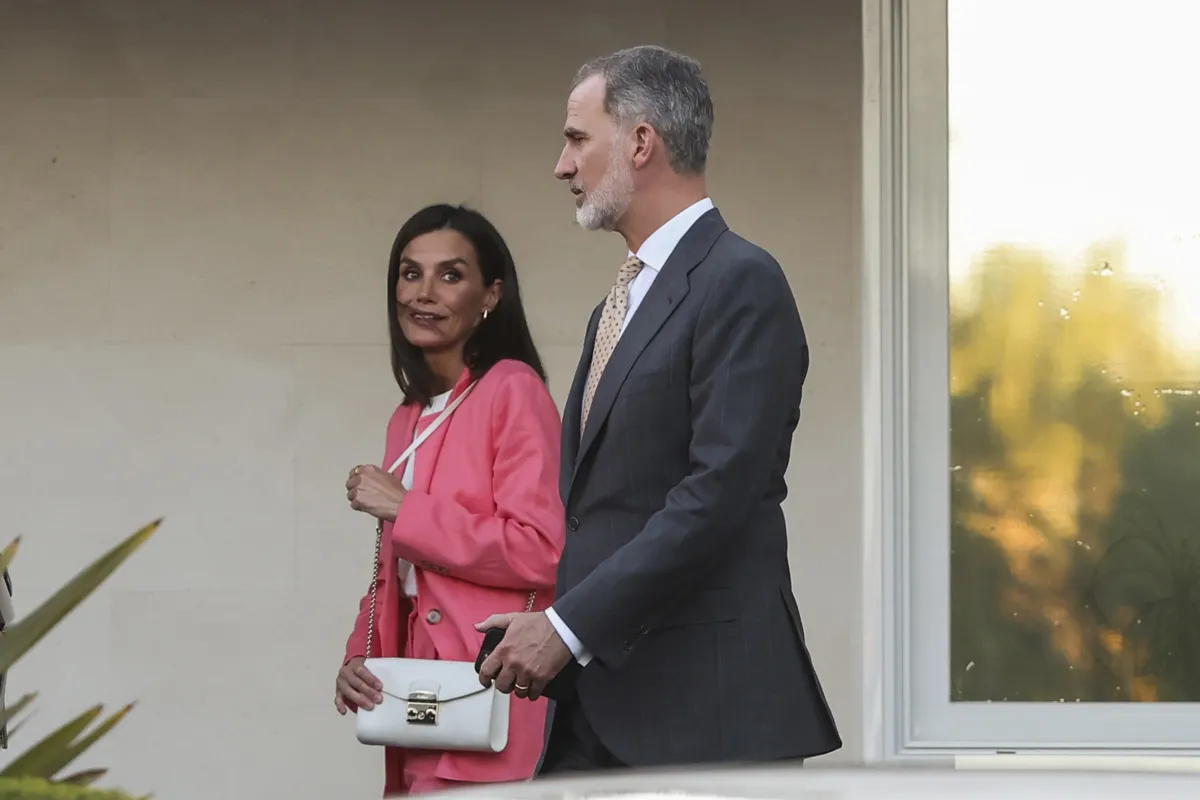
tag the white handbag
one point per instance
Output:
(431, 705)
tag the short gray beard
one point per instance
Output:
(604, 206)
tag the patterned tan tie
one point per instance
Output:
(609, 331)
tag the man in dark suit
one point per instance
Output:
(674, 594)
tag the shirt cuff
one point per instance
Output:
(571, 640)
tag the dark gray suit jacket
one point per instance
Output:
(675, 573)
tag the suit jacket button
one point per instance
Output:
(573, 524)
(433, 617)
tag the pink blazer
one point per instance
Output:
(483, 526)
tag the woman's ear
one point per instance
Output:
(493, 295)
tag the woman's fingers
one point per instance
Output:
(366, 676)
(354, 697)
(354, 691)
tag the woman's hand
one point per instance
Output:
(356, 688)
(378, 493)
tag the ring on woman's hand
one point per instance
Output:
(520, 688)
(356, 469)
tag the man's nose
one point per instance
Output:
(564, 169)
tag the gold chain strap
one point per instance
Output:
(375, 585)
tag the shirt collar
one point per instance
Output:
(658, 247)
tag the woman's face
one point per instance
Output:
(440, 293)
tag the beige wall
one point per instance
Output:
(197, 199)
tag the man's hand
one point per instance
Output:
(530, 654)
(374, 491)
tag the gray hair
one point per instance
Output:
(664, 89)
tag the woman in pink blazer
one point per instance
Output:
(474, 523)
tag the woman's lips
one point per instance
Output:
(425, 320)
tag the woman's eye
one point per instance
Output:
(451, 277)
(411, 275)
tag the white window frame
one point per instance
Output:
(907, 710)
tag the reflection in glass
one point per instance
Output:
(1075, 351)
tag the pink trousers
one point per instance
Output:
(420, 765)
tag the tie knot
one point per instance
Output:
(629, 270)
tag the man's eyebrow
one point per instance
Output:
(573, 133)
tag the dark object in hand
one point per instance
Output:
(559, 687)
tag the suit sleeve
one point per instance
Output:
(749, 361)
(356, 645)
(517, 543)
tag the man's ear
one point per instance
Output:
(644, 144)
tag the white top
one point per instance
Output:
(404, 570)
(654, 253)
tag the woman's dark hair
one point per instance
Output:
(505, 331)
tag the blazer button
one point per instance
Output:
(573, 524)
(433, 617)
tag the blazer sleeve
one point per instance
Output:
(749, 361)
(356, 645)
(517, 543)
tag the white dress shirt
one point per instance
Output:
(653, 253)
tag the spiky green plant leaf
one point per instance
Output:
(85, 777)
(78, 747)
(53, 753)
(31, 775)
(9, 553)
(9, 713)
(40, 789)
(50, 755)
(24, 634)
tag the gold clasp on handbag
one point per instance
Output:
(422, 708)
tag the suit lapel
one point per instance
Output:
(574, 405)
(667, 291)
(428, 453)
(386, 558)
(406, 424)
